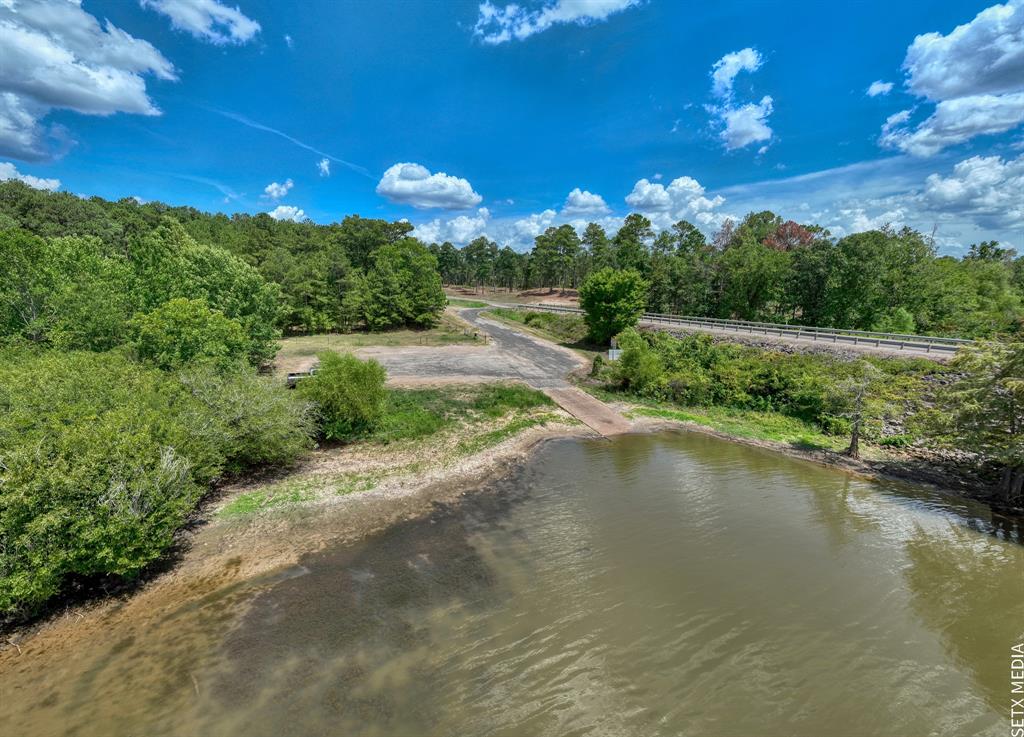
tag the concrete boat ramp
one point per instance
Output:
(590, 410)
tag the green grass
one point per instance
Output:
(485, 440)
(417, 413)
(456, 302)
(303, 490)
(268, 497)
(749, 424)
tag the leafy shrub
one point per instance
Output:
(696, 371)
(349, 395)
(252, 418)
(103, 459)
(184, 330)
(95, 475)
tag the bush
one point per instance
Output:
(102, 460)
(696, 371)
(184, 330)
(252, 418)
(95, 474)
(612, 301)
(349, 395)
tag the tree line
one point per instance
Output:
(769, 269)
(353, 274)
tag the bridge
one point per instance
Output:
(860, 339)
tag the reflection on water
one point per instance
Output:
(671, 584)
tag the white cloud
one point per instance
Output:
(287, 212)
(497, 25)
(55, 55)
(276, 191)
(683, 199)
(974, 74)
(527, 228)
(987, 189)
(9, 171)
(584, 203)
(746, 124)
(984, 56)
(739, 125)
(460, 230)
(289, 41)
(878, 87)
(413, 184)
(324, 167)
(953, 122)
(724, 71)
(207, 20)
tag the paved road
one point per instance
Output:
(554, 362)
(510, 355)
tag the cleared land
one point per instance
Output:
(299, 352)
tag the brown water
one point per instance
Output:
(651, 585)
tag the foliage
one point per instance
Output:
(348, 393)
(78, 293)
(103, 459)
(184, 330)
(695, 371)
(612, 300)
(402, 288)
(983, 410)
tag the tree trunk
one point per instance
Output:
(854, 450)
(1013, 485)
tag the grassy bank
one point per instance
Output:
(424, 431)
(455, 302)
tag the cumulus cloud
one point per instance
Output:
(582, 202)
(324, 167)
(287, 212)
(878, 87)
(739, 125)
(496, 25)
(746, 124)
(724, 71)
(954, 121)
(276, 191)
(975, 77)
(683, 199)
(9, 171)
(207, 20)
(413, 184)
(53, 54)
(986, 189)
(460, 230)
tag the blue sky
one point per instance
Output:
(470, 118)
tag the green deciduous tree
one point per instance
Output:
(184, 330)
(612, 300)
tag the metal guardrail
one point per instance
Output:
(898, 341)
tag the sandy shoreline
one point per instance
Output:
(257, 550)
(217, 553)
